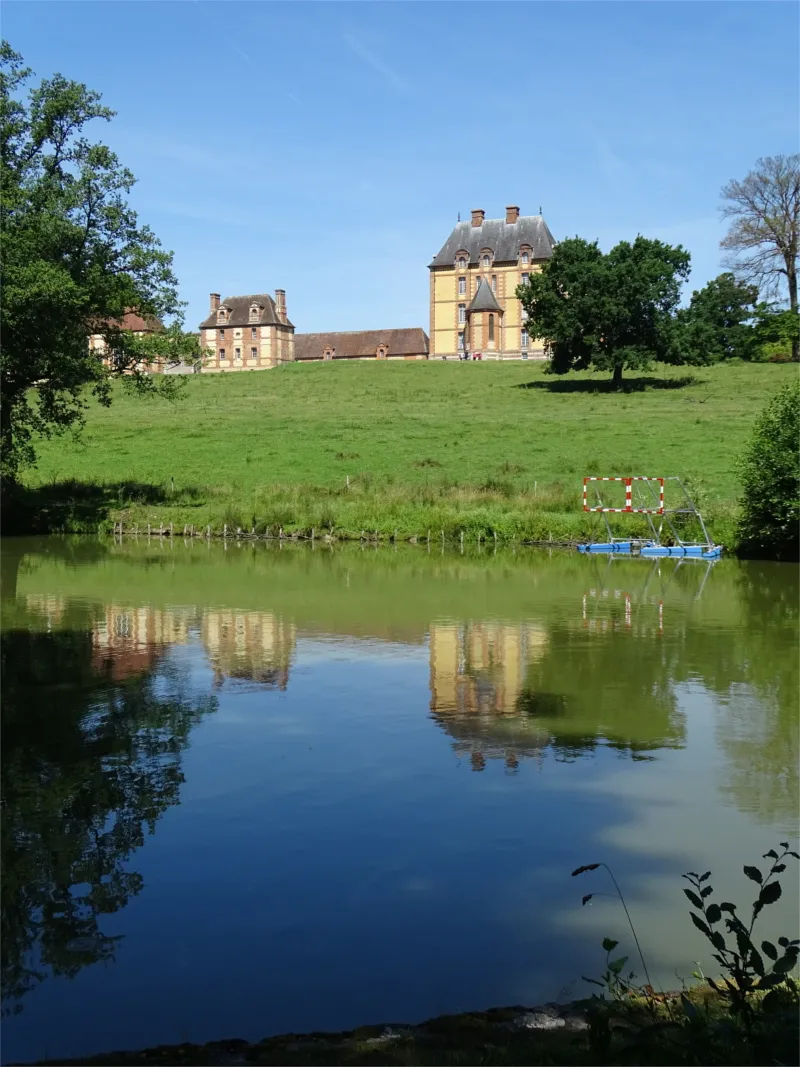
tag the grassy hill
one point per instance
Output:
(406, 446)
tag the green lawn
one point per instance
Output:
(478, 446)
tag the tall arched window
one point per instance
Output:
(491, 327)
(486, 261)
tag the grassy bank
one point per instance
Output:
(401, 447)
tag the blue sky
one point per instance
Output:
(327, 148)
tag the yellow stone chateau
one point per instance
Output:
(474, 308)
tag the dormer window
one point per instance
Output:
(255, 312)
(222, 316)
(525, 255)
(486, 260)
(462, 260)
(381, 352)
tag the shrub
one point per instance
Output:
(770, 471)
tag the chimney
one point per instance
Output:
(477, 216)
(512, 214)
(280, 304)
(213, 302)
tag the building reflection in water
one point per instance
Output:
(255, 646)
(477, 677)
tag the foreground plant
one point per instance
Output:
(748, 1016)
(745, 971)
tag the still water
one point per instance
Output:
(254, 790)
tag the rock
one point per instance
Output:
(539, 1020)
(575, 1022)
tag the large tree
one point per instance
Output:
(718, 324)
(75, 259)
(764, 236)
(609, 310)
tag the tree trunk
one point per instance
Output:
(793, 306)
(616, 380)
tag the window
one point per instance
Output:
(491, 327)
(486, 261)
(253, 331)
(253, 352)
(525, 259)
(462, 312)
(221, 333)
(523, 338)
(237, 352)
(494, 283)
(524, 315)
(462, 286)
(222, 353)
(525, 277)
(461, 262)
(461, 341)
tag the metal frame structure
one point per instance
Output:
(644, 495)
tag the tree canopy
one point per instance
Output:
(609, 310)
(75, 260)
(718, 324)
(763, 240)
(769, 526)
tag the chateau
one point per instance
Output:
(247, 332)
(474, 308)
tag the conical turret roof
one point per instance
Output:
(484, 299)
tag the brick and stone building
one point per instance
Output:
(247, 333)
(474, 278)
(136, 324)
(411, 343)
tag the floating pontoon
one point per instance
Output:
(644, 495)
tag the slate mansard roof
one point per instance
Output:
(359, 344)
(239, 307)
(504, 239)
(484, 299)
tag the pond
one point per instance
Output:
(252, 789)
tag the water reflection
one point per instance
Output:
(254, 646)
(112, 658)
(477, 676)
(94, 723)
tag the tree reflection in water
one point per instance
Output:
(91, 758)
